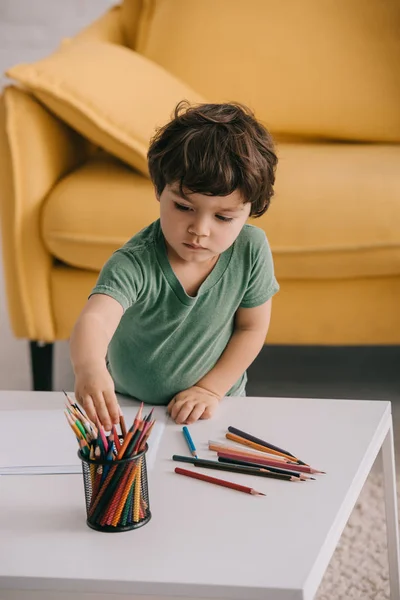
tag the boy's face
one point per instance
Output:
(212, 222)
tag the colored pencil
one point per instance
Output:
(216, 481)
(116, 488)
(257, 440)
(240, 450)
(137, 494)
(125, 444)
(240, 440)
(236, 461)
(122, 423)
(189, 441)
(270, 462)
(116, 439)
(211, 464)
(72, 425)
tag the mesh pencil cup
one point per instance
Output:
(116, 493)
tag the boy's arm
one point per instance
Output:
(93, 330)
(89, 341)
(251, 328)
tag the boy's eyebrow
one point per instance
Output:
(178, 195)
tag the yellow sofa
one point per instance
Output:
(322, 76)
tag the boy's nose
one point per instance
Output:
(199, 227)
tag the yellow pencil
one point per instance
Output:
(137, 492)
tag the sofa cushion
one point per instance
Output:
(335, 213)
(110, 94)
(95, 210)
(319, 68)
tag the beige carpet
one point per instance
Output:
(359, 566)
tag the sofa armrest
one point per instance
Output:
(107, 28)
(36, 150)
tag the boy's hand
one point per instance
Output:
(94, 390)
(193, 404)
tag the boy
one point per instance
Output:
(183, 308)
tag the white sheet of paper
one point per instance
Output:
(40, 442)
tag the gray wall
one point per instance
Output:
(29, 30)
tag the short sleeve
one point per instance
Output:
(121, 278)
(262, 284)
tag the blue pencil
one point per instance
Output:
(189, 441)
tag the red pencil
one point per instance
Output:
(222, 482)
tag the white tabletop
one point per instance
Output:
(203, 541)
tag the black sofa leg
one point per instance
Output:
(42, 366)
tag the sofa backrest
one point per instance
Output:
(316, 68)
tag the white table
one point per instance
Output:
(203, 541)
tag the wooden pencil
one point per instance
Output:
(240, 450)
(236, 461)
(216, 481)
(122, 423)
(240, 440)
(137, 493)
(115, 489)
(270, 462)
(124, 497)
(116, 439)
(257, 440)
(211, 464)
(125, 444)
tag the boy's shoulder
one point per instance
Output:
(142, 241)
(252, 236)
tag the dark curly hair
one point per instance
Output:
(214, 149)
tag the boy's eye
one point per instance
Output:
(184, 208)
(225, 219)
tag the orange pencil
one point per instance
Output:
(124, 446)
(240, 440)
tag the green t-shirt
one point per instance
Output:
(167, 340)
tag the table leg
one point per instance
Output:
(392, 530)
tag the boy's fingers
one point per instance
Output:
(208, 413)
(170, 405)
(196, 413)
(102, 411)
(88, 406)
(112, 406)
(184, 412)
(177, 407)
